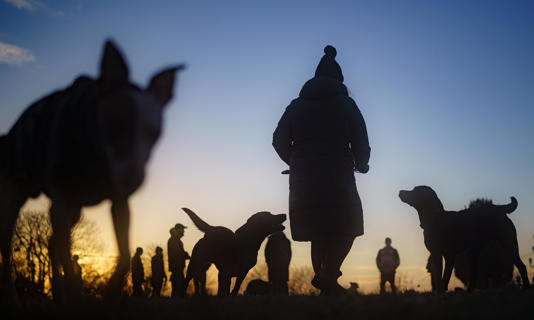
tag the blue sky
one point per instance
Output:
(445, 87)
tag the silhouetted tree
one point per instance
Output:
(31, 262)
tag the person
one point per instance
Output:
(323, 138)
(138, 273)
(278, 257)
(78, 282)
(158, 272)
(387, 261)
(177, 256)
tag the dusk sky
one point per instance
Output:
(446, 89)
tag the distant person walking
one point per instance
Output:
(138, 273)
(387, 261)
(278, 257)
(323, 138)
(177, 256)
(158, 272)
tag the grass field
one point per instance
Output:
(509, 304)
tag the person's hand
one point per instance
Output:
(363, 168)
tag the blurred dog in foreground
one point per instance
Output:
(449, 233)
(79, 146)
(234, 254)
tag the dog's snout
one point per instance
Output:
(282, 216)
(403, 194)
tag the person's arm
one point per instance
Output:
(397, 258)
(282, 140)
(378, 259)
(359, 140)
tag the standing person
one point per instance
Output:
(78, 282)
(387, 261)
(177, 256)
(278, 257)
(158, 272)
(138, 273)
(323, 138)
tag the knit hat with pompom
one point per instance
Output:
(328, 66)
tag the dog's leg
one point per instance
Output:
(513, 248)
(238, 283)
(224, 284)
(473, 263)
(121, 223)
(63, 216)
(449, 265)
(437, 269)
(10, 202)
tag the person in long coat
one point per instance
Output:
(323, 138)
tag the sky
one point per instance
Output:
(445, 88)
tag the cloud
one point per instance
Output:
(34, 5)
(29, 5)
(11, 54)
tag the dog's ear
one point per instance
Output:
(113, 69)
(161, 85)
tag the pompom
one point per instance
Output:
(330, 51)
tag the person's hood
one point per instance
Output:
(321, 87)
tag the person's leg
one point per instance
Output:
(318, 253)
(337, 250)
(382, 283)
(392, 283)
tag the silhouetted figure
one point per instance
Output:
(199, 279)
(353, 289)
(81, 145)
(323, 138)
(234, 254)
(278, 257)
(78, 282)
(387, 261)
(158, 272)
(258, 287)
(138, 273)
(449, 233)
(177, 256)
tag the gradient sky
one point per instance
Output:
(446, 90)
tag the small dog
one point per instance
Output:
(278, 257)
(258, 287)
(80, 146)
(234, 254)
(448, 233)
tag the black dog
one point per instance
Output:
(79, 146)
(448, 233)
(234, 254)
(278, 257)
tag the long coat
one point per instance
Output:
(322, 137)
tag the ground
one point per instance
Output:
(509, 304)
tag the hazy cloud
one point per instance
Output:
(12, 54)
(23, 4)
(33, 5)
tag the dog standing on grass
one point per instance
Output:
(234, 254)
(448, 233)
(79, 146)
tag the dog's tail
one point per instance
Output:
(509, 208)
(199, 223)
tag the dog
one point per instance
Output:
(258, 287)
(234, 254)
(79, 146)
(278, 257)
(449, 233)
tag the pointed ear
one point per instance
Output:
(113, 69)
(161, 85)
